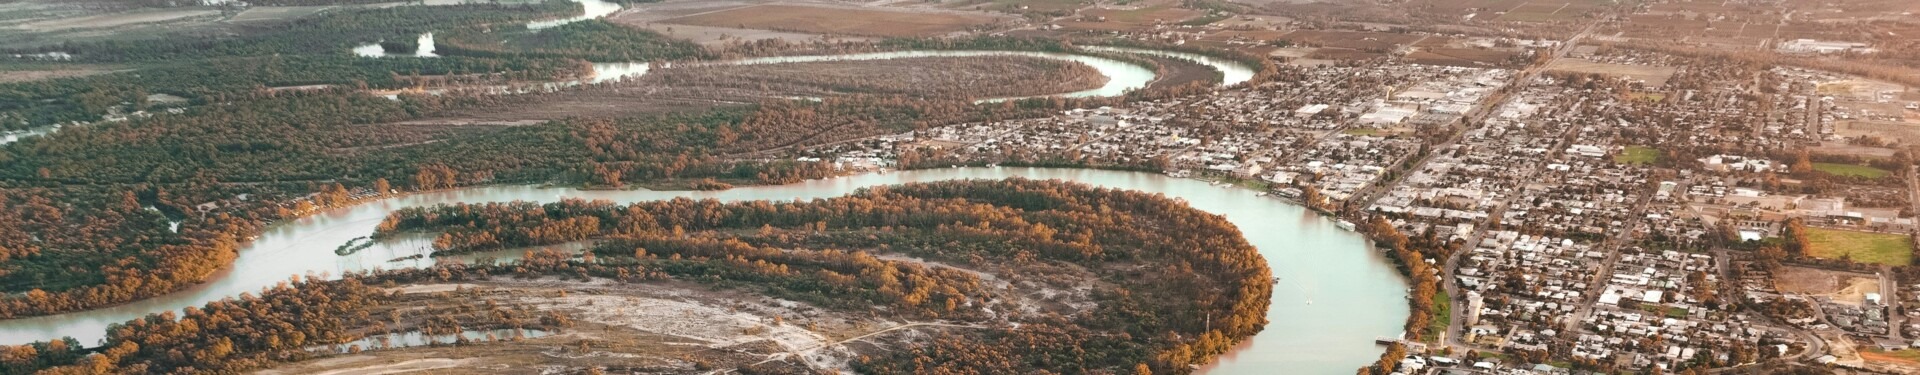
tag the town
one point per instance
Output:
(1715, 216)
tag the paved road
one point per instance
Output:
(1366, 196)
(1611, 245)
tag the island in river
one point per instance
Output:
(1008, 276)
(1354, 296)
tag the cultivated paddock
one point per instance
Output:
(840, 21)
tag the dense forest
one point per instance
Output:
(594, 40)
(1208, 289)
(310, 51)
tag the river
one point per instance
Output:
(1231, 72)
(1334, 298)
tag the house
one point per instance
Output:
(1309, 110)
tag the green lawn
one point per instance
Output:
(1850, 170)
(1637, 155)
(1863, 247)
(1442, 315)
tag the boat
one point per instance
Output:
(1261, 194)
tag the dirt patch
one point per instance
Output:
(114, 20)
(1158, 12)
(266, 14)
(678, 317)
(1841, 148)
(398, 368)
(1903, 132)
(1653, 76)
(1842, 348)
(842, 21)
(1858, 89)
(1898, 362)
(1840, 286)
(11, 76)
(432, 288)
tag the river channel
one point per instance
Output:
(1334, 297)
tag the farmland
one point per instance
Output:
(840, 21)
(1038, 7)
(1863, 247)
(1164, 12)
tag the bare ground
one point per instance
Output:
(1840, 286)
(12, 76)
(658, 327)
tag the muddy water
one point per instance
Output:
(1231, 72)
(1122, 77)
(1335, 295)
(594, 9)
(426, 49)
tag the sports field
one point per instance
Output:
(1863, 247)
(1637, 155)
(1850, 170)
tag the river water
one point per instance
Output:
(1334, 298)
(1231, 72)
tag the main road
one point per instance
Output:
(1449, 280)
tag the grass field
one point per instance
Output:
(1850, 170)
(1637, 155)
(1863, 247)
(841, 21)
(1442, 315)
